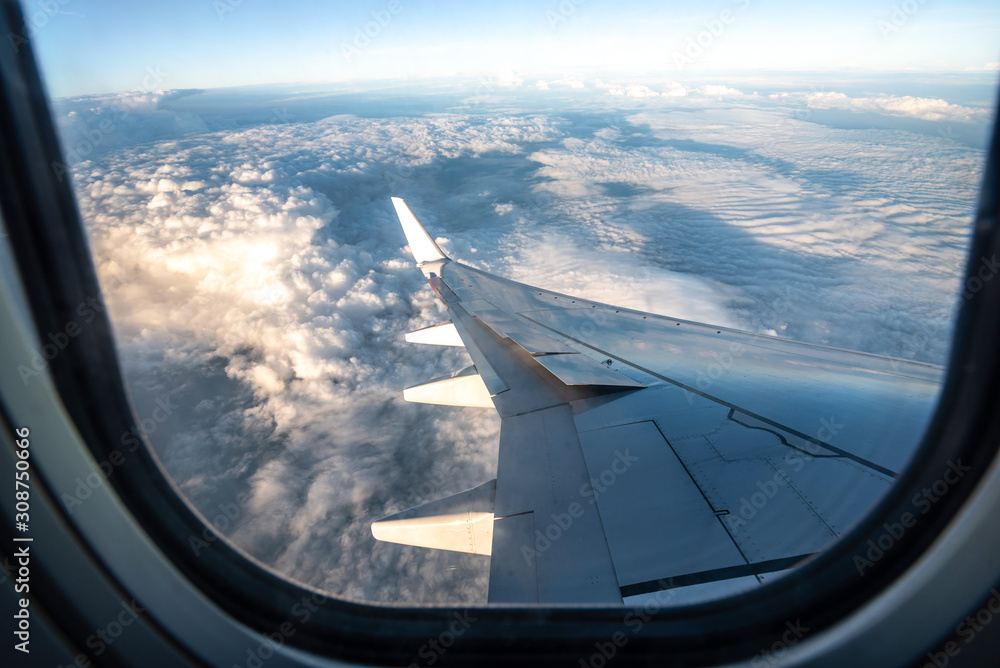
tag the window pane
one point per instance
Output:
(728, 165)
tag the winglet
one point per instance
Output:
(421, 245)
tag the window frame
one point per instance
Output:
(57, 273)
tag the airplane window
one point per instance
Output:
(259, 287)
(532, 304)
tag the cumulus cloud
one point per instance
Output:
(92, 125)
(865, 217)
(929, 109)
(570, 82)
(663, 89)
(506, 79)
(986, 67)
(634, 91)
(716, 90)
(260, 280)
(925, 109)
(270, 258)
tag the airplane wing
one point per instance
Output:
(640, 452)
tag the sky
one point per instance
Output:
(103, 47)
(810, 174)
(258, 280)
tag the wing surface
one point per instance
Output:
(640, 452)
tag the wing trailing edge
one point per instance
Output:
(641, 453)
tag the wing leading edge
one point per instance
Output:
(641, 453)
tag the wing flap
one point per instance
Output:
(542, 486)
(513, 579)
(578, 369)
(872, 408)
(657, 522)
(537, 343)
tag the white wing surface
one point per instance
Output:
(640, 452)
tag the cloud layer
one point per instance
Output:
(261, 281)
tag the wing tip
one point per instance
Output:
(422, 246)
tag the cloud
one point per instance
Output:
(506, 79)
(715, 90)
(261, 282)
(570, 82)
(875, 221)
(669, 89)
(929, 109)
(92, 125)
(985, 67)
(236, 252)
(634, 91)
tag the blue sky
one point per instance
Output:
(110, 46)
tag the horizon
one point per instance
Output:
(228, 43)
